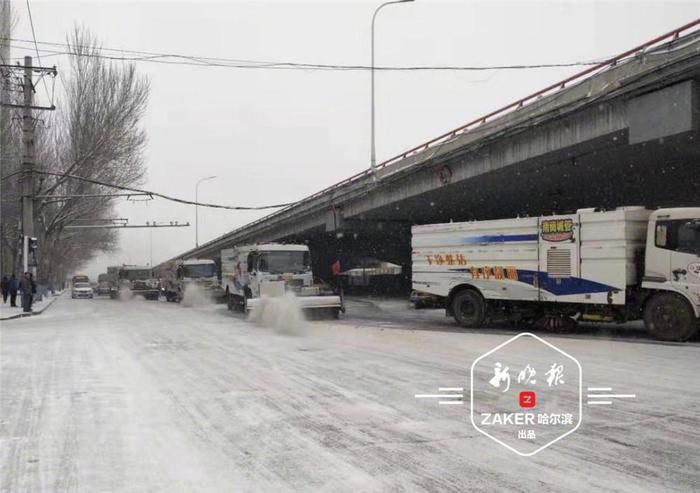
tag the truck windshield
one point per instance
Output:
(680, 235)
(689, 237)
(284, 262)
(200, 270)
(133, 275)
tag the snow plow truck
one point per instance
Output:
(251, 272)
(178, 275)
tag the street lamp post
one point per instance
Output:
(196, 208)
(373, 155)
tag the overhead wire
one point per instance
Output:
(36, 47)
(190, 60)
(154, 194)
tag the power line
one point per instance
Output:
(156, 194)
(189, 60)
(36, 47)
(127, 226)
(137, 52)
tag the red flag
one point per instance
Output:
(335, 268)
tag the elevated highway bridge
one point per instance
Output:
(625, 132)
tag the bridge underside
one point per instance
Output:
(662, 172)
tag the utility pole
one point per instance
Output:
(150, 234)
(27, 164)
(26, 171)
(6, 262)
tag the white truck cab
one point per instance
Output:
(672, 265)
(137, 280)
(177, 276)
(250, 272)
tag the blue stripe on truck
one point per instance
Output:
(498, 238)
(562, 286)
(559, 286)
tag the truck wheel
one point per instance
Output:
(468, 309)
(669, 317)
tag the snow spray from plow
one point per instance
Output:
(281, 313)
(195, 295)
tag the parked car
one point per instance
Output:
(81, 290)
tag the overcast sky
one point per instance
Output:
(278, 136)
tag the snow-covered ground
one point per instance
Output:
(7, 311)
(103, 395)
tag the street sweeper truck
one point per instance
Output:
(609, 266)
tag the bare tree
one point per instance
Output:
(9, 147)
(95, 134)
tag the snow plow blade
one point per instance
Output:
(305, 302)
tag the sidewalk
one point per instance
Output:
(8, 313)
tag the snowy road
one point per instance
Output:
(100, 395)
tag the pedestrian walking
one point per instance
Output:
(13, 286)
(25, 287)
(5, 288)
